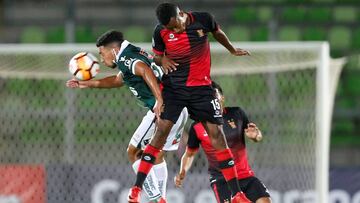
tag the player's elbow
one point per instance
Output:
(117, 82)
(218, 33)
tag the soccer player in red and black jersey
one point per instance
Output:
(236, 128)
(181, 47)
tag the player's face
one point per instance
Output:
(178, 23)
(107, 56)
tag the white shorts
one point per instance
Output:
(146, 130)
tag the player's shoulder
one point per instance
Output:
(132, 49)
(159, 27)
(235, 110)
(201, 16)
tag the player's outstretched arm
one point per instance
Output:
(186, 163)
(144, 71)
(253, 132)
(221, 37)
(108, 82)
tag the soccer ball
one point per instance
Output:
(84, 66)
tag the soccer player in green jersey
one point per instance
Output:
(138, 71)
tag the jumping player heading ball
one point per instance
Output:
(180, 43)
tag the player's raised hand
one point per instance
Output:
(178, 179)
(253, 132)
(240, 52)
(168, 64)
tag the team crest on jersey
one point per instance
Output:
(232, 124)
(200, 32)
(171, 36)
(127, 62)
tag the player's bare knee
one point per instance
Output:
(157, 142)
(161, 134)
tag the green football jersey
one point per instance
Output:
(126, 59)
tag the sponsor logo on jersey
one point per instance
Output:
(172, 37)
(147, 158)
(217, 114)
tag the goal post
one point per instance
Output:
(323, 119)
(286, 88)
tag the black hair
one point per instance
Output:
(165, 11)
(110, 37)
(217, 86)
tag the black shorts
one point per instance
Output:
(200, 102)
(253, 188)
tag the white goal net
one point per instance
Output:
(70, 145)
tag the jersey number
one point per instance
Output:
(216, 104)
(133, 91)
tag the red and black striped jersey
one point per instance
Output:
(190, 49)
(235, 122)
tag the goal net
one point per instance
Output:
(69, 145)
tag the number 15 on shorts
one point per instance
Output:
(217, 108)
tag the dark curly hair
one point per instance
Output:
(110, 37)
(165, 11)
